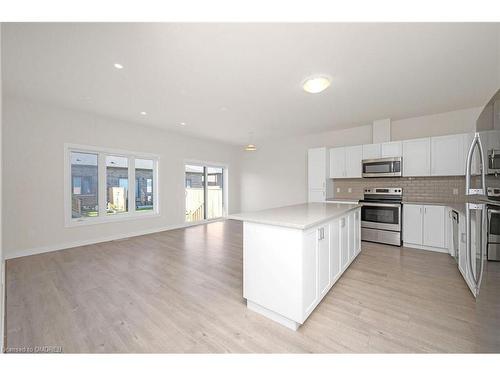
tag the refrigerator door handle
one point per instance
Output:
(475, 279)
(468, 176)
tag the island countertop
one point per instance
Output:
(298, 216)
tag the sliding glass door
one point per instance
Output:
(204, 192)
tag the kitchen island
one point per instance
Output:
(293, 255)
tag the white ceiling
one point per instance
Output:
(226, 80)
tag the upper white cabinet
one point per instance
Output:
(337, 162)
(353, 158)
(417, 157)
(391, 150)
(372, 151)
(345, 162)
(448, 155)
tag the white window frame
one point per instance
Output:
(103, 217)
(225, 185)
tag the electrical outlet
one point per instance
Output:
(349, 190)
(455, 191)
(338, 190)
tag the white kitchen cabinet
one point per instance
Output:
(372, 151)
(448, 155)
(345, 162)
(424, 226)
(353, 158)
(335, 253)
(352, 236)
(317, 168)
(316, 195)
(323, 245)
(417, 157)
(320, 186)
(412, 224)
(337, 162)
(434, 233)
(344, 242)
(391, 149)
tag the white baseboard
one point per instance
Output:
(69, 245)
(428, 248)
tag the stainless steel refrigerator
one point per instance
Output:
(483, 275)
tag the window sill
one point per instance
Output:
(116, 218)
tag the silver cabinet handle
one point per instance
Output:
(321, 233)
(425, 210)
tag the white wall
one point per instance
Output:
(33, 149)
(276, 174)
(454, 122)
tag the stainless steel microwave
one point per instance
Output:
(383, 167)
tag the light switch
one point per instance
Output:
(455, 191)
(338, 190)
(349, 190)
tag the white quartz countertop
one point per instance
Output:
(298, 216)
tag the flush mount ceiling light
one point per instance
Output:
(316, 84)
(182, 124)
(144, 113)
(118, 66)
(250, 146)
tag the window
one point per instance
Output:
(144, 200)
(84, 198)
(114, 177)
(204, 201)
(116, 184)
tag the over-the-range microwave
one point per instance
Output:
(382, 167)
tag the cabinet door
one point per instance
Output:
(434, 226)
(337, 162)
(323, 234)
(344, 242)
(417, 157)
(316, 168)
(447, 155)
(391, 150)
(335, 253)
(371, 151)
(316, 195)
(357, 231)
(352, 236)
(310, 271)
(412, 223)
(353, 156)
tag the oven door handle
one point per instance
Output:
(397, 205)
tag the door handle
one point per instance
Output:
(476, 279)
(468, 164)
(321, 233)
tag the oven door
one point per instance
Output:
(493, 226)
(385, 216)
(385, 167)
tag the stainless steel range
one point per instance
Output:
(381, 215)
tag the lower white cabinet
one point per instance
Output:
(424, 226)
(335, 245)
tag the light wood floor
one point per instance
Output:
(181, 291)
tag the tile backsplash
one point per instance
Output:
(417, 189)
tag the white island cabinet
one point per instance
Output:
(293, 255)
